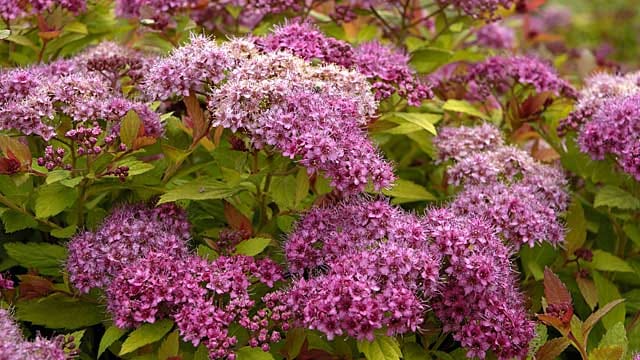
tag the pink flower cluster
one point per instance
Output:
(495, 36)
(366, 265)
(140, 258)
(479, 301)
(203, 298)
(129, 232)
(13, 346)
(521, 197)
(33, 100)
(387, 68)
(607, 119)
(313, 113)
(15, 9)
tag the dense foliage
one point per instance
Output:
(297, 179)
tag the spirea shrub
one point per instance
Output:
(288, 179)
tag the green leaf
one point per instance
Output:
(425, 60)
(21, 40)
(464, 107)
(170, 346)
(16, 221)
(613, 196)
(406, 191)
(53, 199)
(608, 292)
(413, 351)
(250, 353)
(252, 247)
(302, 185)
(4, 33)
(57, 175)
(607, 353)
(201, 353)
(424, 120)
(136, 167)
(47, 258)
(111, 335)
(129, 127)
(605, 261)
(633, 232)
(207, 252)
(381, 348)
(577, 227)
(77, 339)
(146, 334)
(60, 311)
(283, 191)
(201, 189)
(76, 27)
(294, 339)
(64, 233)
(616, 336)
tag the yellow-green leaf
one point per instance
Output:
(406, 191)
(129, 127)
(111, 335)
(464, 107)
(146, 334)
(252, 247)
(381, 348)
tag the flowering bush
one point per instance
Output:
(286, 179)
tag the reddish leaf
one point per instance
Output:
(552, 349)
(558, 324)
(236, 219)
(14, 149)
(196, 115)
(555, 291)
(34, 287)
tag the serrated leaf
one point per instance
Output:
(616, 336)
(146, 334)
(60, 312)
(464, 107)
(250, 353)
(552, 349)
(77, 339)
(65, 232)
(615, 197)
(407, 191)
(607, 353)
(605, 261)
(16, 221)
(424, 120)
(201, 189)
(57, 175)
(381, 348)
(252, 247)
(283, 191)
(588, 291)
(577, 227)
(554, 290)
(129, 128)
(111, 335)
(53, 199)
(170, 346)
(613, 311)
(46, 258)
